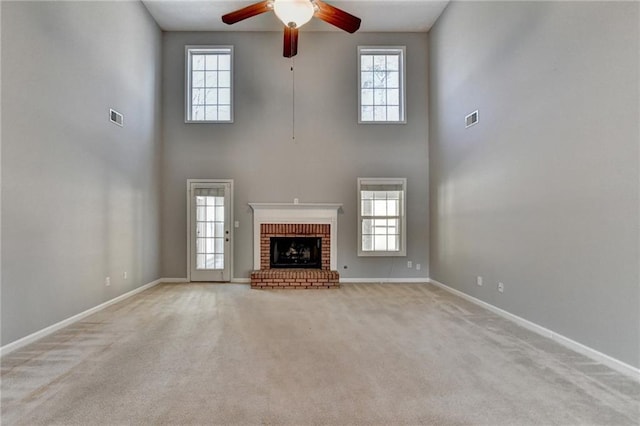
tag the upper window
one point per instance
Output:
(381, 217)
(382, 84)
(209, 93)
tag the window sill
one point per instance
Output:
(382, 122)
(207, 122)
(381, 253)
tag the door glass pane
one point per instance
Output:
(210, 237)
(200, 213)
(210, 245)
(219, 213)
(219, 245)
(211, 213)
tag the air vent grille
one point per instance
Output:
(116, 117)
(471, 119)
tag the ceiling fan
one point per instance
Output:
(294, 14)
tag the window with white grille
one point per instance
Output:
(209, 91)
(381, 74)
(381, 216)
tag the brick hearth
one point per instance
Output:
(294, 278)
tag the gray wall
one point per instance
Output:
(323, 162)
(542, 194)
(80, 196)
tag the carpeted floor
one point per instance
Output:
(369, 354)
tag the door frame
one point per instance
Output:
(230, 224)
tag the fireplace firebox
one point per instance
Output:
(295, 252)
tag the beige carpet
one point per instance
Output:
(378, 354)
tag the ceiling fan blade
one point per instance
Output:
(290, 42)
(337, 17)
(247, 12)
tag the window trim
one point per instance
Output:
(190, 49)
(403, 79)
(402, 216)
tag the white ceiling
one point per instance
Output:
(376, 15)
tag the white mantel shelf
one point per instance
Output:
(318, 213)
(301, 206)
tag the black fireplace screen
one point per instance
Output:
(296, 252)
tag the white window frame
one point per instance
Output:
(401, 215)
(385, 50)
(195, 49)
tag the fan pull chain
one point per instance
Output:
(293, 99)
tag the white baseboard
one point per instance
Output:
(615, 364)
(10, 347)
(384, 280)
(186, 280)
(174, 280)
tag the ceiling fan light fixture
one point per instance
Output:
(293, 13)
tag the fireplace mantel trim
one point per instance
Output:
(295, 206)
(320, 213)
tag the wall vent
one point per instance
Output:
(116, 117)
(471, 119)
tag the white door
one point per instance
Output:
(210, 238)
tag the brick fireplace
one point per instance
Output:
(277, 220)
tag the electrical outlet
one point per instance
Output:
(479, 280)
(418, 266)
(107, 281)
(409, 264)
(124, 275)
(501, 287)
